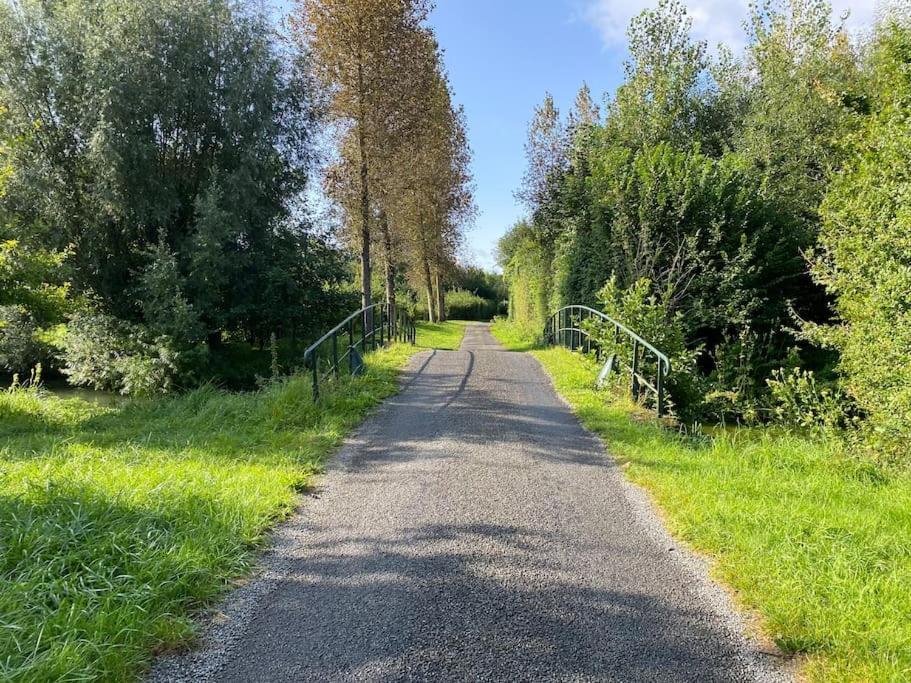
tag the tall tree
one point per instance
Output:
(156, 133)
(864, 257)
(545, 153)
(360, 49)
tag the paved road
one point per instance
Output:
(473, 530)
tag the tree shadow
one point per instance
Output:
(467, 602)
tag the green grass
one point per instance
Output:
(117, 525)
(816, 543)
(446, 336)
(512, 337)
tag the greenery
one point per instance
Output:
(446, 336)
(465, 305)
(756, 202)
(119, 524)
(812, 539)
(865, 253)
(168, 172)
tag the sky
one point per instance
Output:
(504, 55)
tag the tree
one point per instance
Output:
(545, 153)
(864, 257)
(659, 97)
(360, 49)
(150, 122)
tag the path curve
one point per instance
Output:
(473, 530)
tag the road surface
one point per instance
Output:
(472, 530)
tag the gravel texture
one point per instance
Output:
(473, 530)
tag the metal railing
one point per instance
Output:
(565, 327)
(366, 330)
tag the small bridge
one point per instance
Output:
(342, 348)
(581, 328)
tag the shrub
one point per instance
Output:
(640, 310)
(865, 255)
(102, 352)
(799, 400)
(19, 349)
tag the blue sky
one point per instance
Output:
(503, 55)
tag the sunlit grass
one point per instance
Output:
(116, 525)
(512, 337)
(816, 542)
(445, 336)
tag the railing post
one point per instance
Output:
(587, 344)
(364, 332)
(382, 343)
(314, 361)
(335, 355)
(572, 330)
(635, 372)
(351, 346)
(660, 387)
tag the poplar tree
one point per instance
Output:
(360, 50)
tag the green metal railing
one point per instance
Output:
(366, 330)
(565, 327)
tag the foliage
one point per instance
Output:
(401, 175)
(19, 349)
(120, 525)
(102, 352)
(33, 298)
(799, 400)
(169, 167)
(525, 270)
(464, 305)
(485, 284)
(642, 311)
(863, 259)
(705, 179)
(811, 539)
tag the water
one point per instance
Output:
(59, 388)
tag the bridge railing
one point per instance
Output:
(573, 327)
(366, 330)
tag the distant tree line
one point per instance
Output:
(749, 213)
(155, 161)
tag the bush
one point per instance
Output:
(798, 400)
(865, 255)
(19, 350)
(102, 352)
(640, 310)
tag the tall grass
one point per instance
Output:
(816, 541)
(117, 525)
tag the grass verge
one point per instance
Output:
(445, 336)
(118, 524)
(816, 543)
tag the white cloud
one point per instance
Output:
(715, 21)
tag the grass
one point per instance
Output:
(816, 543)
(117, 525)
(445, 336)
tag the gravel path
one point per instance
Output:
(473, 530)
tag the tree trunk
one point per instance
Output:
(366, 275)
(441, 297)
(428, 285)
(389, 258)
